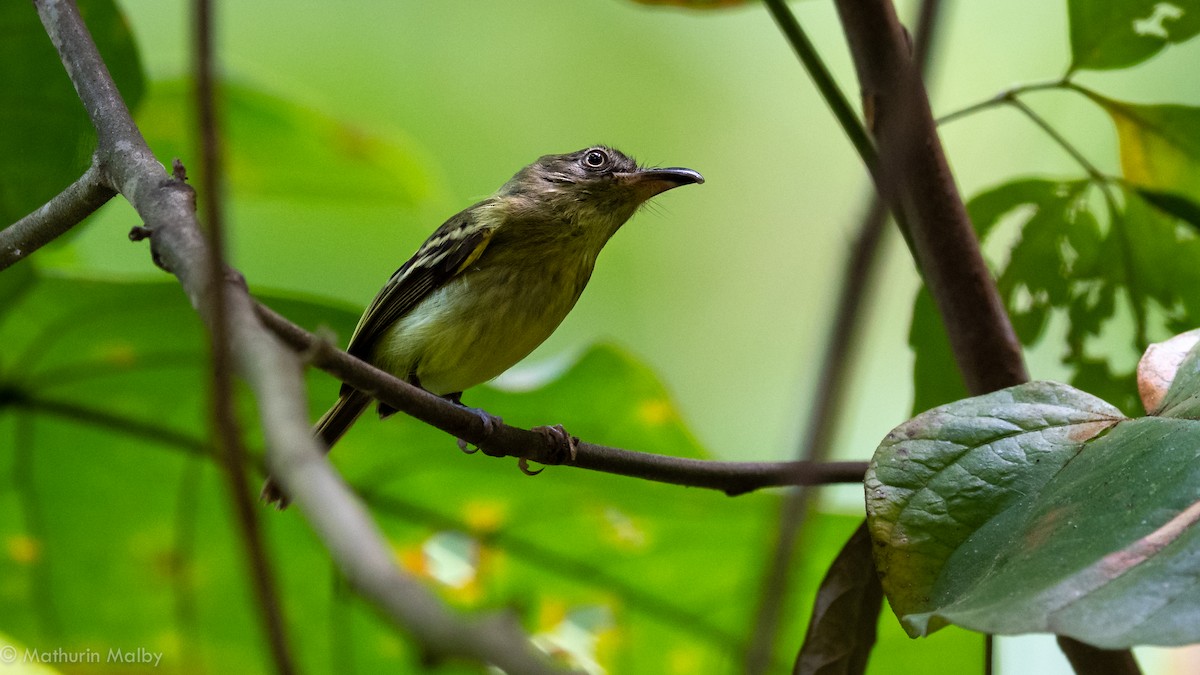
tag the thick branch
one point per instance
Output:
(53, 219)
(274, 374)
(917, 177)
(733, 478)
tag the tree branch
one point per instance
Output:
(274, 374)
(917, 177)
(55, 218)
(733, 478)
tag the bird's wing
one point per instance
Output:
(444, 255)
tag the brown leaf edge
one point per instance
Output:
(845, 614)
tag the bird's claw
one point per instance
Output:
(489, 426)
(523, 465)
(564, 446)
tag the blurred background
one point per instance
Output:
(726, 289)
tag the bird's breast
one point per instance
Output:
(482, 322)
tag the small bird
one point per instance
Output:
(495, 280)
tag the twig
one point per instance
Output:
(733, 478)
(55, 218)
(274, 374)
(225, 424)
(1002, 98)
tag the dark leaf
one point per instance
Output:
(841, 631)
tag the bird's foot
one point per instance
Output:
(563, 447)
(489, 425)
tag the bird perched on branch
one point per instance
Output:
(495, 280)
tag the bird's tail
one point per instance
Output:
(328, 430)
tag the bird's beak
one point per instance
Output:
(649, 182)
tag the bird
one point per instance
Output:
(496, 279)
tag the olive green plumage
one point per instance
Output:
(496, 279)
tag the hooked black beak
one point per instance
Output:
(650, 182)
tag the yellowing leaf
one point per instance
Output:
(1160, 145)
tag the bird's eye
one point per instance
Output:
(595, 159)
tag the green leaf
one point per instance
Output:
(275, 148)
(48, 140)
(1160, 145)
(1122, 33)
(104, 427)
(1063, 261)
(1040, 508)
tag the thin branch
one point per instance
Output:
(55, 218)
(274, 375)
(828, 402)
(733, 478)
(1002, 98)
(222, 397)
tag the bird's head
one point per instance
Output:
(597, 188)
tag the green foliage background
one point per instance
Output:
(353, 131)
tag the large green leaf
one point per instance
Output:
(1042, 508)
(279, 149)
(1121, 33)
(115, 530)
(47, 139)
